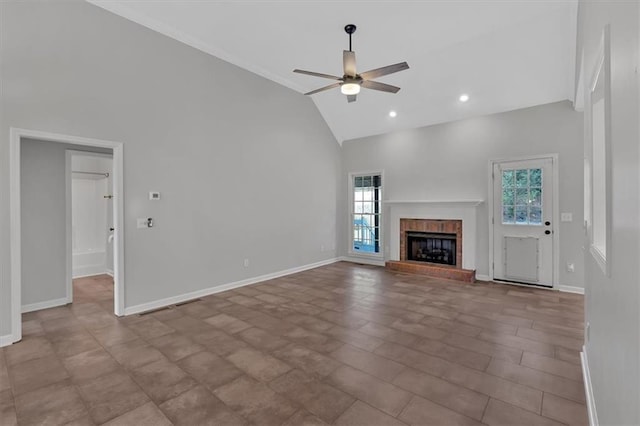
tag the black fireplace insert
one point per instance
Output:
(431, 247)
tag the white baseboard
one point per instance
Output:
(7, 340)
(481, 277)
(45, 305)
(88, 271)
(571, 289)
(588, 389)
(156, 304)
(364, 260)
(109, 272)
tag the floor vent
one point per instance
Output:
(154, 311)
(187, 302)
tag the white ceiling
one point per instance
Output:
(505, 54)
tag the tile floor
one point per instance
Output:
(343, 344)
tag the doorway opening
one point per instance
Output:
(32, 218)
(91, 227)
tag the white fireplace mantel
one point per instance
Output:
(464, 210)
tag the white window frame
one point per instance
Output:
(599, 89)
(350, 250)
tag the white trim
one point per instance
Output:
(555, 215)
(109, 272)
(161, 303)
(16, 242)
(588, 389)
(570, 289)
(68, 220)
(480, 277)
(45, 305)
(7, 340)
(15, 136)
(364, 260)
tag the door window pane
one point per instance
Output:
(522, 197)
(508, 215)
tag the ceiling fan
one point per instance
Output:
(351, 81)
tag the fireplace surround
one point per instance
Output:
(452, 217)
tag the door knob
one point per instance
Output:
(547, 232)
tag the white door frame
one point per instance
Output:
(16, 136)
(555, 215)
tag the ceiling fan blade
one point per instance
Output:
(351, 98)
(389, 69)
(380, 86)
(349, 62)
(322, 89)
(318, 74)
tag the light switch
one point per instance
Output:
(566, 217)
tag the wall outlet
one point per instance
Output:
(246, 263)
(571, 267)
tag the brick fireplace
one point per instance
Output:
(435, 238)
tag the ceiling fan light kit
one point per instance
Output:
(350, 88)
(351, 82)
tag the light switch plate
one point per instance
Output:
(566, 217)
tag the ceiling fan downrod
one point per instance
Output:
(350, 29)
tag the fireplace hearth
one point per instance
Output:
(431, 247)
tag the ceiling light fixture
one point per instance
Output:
(350, 89)
(392, 114)
(464, 98)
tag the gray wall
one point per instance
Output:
(43, 217)
(613, 303)
(246, 168)
(450, 161)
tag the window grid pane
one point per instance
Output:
(522, 197)
(366, 213)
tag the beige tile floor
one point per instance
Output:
(342, 344)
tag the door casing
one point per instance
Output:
(15, 137)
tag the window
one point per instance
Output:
(522, 197)
(598, 213)
(366, 209)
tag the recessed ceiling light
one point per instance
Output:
(392, 114)
(464, 98)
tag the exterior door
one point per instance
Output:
(523, 221)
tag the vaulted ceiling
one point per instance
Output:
(504, 54)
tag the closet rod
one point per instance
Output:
(93, 173)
